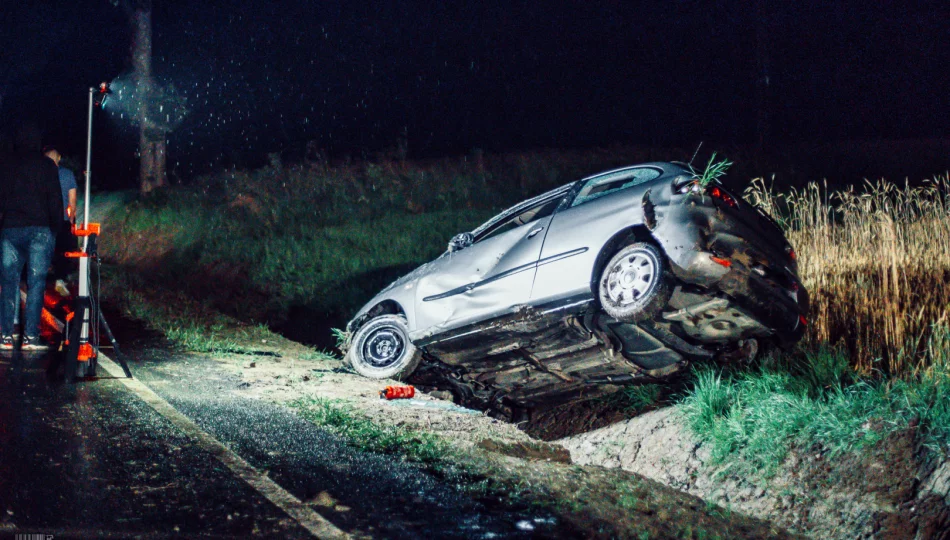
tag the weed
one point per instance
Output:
(642, 397)
(342, 338)
(315, 354)
(713, 171)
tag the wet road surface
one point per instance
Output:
(93, 458)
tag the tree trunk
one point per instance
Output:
(151, 139)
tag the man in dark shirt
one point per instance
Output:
(65, 241)
(31, 207)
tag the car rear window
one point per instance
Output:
(611, 183)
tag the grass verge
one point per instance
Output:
(754, 419)
(364, 434)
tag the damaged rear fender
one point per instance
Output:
(682, 233)
(636, 233)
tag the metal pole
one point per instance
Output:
(85, 204)
(84, 261)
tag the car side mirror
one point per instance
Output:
(460, 241)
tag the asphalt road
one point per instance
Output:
(94, 459)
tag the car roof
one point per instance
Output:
(666, 167)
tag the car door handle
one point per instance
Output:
(534, 232)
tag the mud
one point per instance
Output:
(528, 450)
(580, 417)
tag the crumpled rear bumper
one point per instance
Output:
(750, 271)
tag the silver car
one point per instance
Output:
(622, 277)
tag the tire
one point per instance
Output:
(381, 349)
(636, 283)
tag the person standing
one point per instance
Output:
(32, 210)
(65, 241)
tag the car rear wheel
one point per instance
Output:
(381, 349)
(636, 283)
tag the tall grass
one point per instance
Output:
(876, 358)
(876, 262)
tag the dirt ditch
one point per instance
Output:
(895, 491)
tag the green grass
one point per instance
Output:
(713, 171)
(364, 434)
(638, 398)
(331, 269)
(754, 419)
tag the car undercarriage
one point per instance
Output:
(573, 351)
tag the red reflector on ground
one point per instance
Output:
(398, 392)
(724, 262)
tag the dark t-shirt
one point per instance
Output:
(67, 181)
(30, 195)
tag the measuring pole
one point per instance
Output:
(80, 355)
(84, 261)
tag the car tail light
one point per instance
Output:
(803, 320)
(720, 261)
(791, 253)
(718, 193)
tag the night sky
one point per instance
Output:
(263, 76)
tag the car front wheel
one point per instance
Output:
(381, 349)
(636, 283)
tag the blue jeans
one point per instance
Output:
(19, 246)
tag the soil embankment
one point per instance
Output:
(892, 492)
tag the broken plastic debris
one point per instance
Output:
(398, 392)
(435, 404)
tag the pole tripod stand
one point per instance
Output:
(81, 351)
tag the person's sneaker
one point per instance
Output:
(6, 342)
(34, 344)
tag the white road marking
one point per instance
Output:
(303, 514)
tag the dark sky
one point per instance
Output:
(263, 76)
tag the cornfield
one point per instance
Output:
(876, 263)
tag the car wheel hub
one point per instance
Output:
(631, 278)
(383, 347)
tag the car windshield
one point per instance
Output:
(610, 183)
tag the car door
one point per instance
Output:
(604, 205)
(489, 277)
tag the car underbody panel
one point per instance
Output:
(571, 350)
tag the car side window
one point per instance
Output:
(610, 183)
(525, 216)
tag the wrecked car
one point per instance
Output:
(623, 277)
